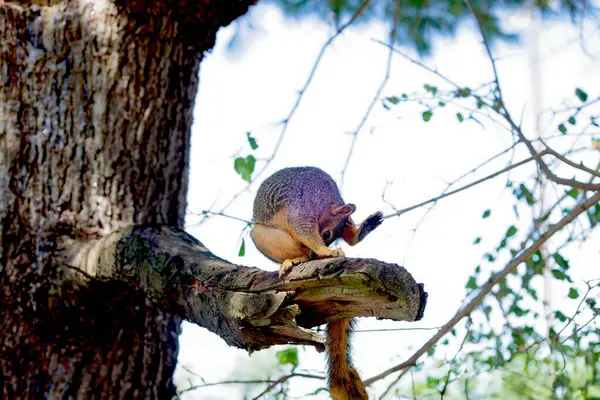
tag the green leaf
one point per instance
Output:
(501, 245)
(562, 128)
(560, 316)
(242, 251)
(574, 193)
(486, 214)
(463, 92)
(472, 283)
(441, 104)
(431, 89)
(393, 99)
(525, 192)
(487, 310)
(558, 274)
(564, 264)
(581, 95)
(477, 240)
(427, 115)
(562, 381)
(533, 293)
(572, 120)
(460, 117)
(252, 141)
(593, 215)
(288, 356)
(245, 167)
(511, 231)
(573, 293)
(518, 311)
(432, 382)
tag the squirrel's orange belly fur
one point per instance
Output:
(276, 244)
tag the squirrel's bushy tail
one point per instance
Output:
(344, 382)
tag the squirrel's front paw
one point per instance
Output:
(286, 266)
(338, 253)
(329, 253)
(369, 224)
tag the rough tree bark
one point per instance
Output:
(96, 101)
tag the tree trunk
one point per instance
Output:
(96, 100)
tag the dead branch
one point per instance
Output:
(247, 307)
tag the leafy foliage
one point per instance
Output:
(420, 22)
(537, 351)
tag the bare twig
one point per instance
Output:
(579, 166)
(220, 214)
(419, 63)
(397, 329)
(227, 382)
(388, 69)
(286, 121)
(444, 192)
(578, 107)
(489, 285)
(272, 383)
(447, 380)
(460, 189)
(285, 378)
(393, 383)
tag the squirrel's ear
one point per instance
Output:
(344, 210)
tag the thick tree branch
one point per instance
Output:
(248, 307)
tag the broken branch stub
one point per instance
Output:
(330, 289)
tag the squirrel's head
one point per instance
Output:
(333, 221)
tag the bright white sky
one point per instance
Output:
(254, 89)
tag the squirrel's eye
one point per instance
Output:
(326, 235)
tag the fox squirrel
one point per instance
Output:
(298, 213)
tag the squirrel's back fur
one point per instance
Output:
(301, 189)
